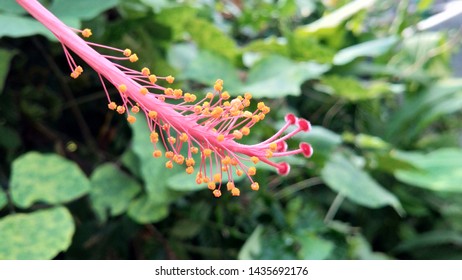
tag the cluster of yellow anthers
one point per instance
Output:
(204, 131)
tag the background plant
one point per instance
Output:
(78, 182)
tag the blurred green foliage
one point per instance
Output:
(78, 182)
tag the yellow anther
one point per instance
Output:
(246, 102)
(211, 185)
(112, 106)
(120, 109)
(220, 137)
(184, 137)
(127, 52)
(178, 159)
(161, 98)
(207, 152)
(169, 154)
(171, 140)
(226, 104)
(197, 109)
(199, 180)
(78, 69)
(235, 112)
(154, 137)
(218, 85)
(169, 79)
(206, 112)
(86, 32)
(145, 71)
(260, 105)
(254, 159)
(122, 88)
(194, 150)
(168, 91)
(131, 119)
(133, 58)
(75, 75)
(224, 168)
(152, 114)
(177, 93)
(166, 126)
(239, 172)
(247, 96)
(225, 95)
(144, 91)
(268, 154)
(217, 193)
(237, 134)
(245, 130)
(226, 160)
(255, 119)
(190, 170)
(230, 186)
(255, 186)
(261, 116)
(252, 171)
(240, 98)
(235, 192)
(135, 109)
(273, 147)
(188, 97)
(216, 112)
(157, 153)
(206, 179)
(169, 164)
(234, 162)
(217, 178)
(265, 110)
(209, 95)
(190, 162)
(153, 79)
(247, 114)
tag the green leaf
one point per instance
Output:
(252, 246)
(112, 191)
(184, 182)
(337, 17)
(19, 26)
(47, 178)
(371, 48)
(5, 57)
(361, 249)
(353, 89)
(431, 239)
(208, 37)
(12, 7)
(10, 139)
(3, 199)
(417, 113)
(440, 170)
(181, 56)
(345, 178)
(314, 247)
(277, 76)
(36, 236)
(207, 67)
(303, 46)
(82, 9)
(145, 210)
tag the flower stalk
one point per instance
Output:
(208, 127)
